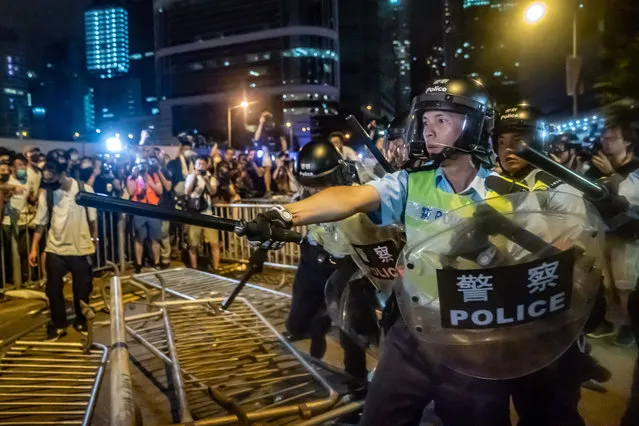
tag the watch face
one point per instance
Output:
(287, 215)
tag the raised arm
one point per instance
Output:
(335, 203)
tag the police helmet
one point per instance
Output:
(526, 120)
(319, 165)
(461, 95)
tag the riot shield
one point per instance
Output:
(354, 305)
(375, 249)
(502, 288)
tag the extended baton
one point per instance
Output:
(240, 227)
(592, 190)
(360, 134)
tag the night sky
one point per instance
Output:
(41, 22)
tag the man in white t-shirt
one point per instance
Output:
(16, 217)
(70, 244)
(201, 185)
(337, 139)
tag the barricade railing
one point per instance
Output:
(123, 408)
(15, 246)
(115, 248)
(235, 248)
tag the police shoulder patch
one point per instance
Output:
(547, 179)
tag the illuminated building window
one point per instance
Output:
(107, 42)
(473, 3)
(309, 52)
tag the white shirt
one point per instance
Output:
(199, 189)
(33, 177)
(18, 202)
(69, 234)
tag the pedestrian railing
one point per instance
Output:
(237, 248)
(115, 247)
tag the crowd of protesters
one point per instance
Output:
(46, 235)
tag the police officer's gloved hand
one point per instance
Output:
(267, 224)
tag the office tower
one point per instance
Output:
(212, 55)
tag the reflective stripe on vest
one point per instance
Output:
(428, 205)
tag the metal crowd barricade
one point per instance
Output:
(123, 410)
(234, 368)
(50, 383)
(233, 247)
(191, 284)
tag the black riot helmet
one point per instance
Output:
(320, 165)
(461, 95)
(525, 120)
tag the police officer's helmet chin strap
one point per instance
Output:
(449, 151)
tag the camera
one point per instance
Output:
(590, 146)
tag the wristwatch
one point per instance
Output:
(285, 215)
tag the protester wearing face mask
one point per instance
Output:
(71, 235)
(16, 217)
(181, 166)
(39, 165)
(34, 170)
(82, 170)
(74, 157)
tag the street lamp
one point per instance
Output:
(243, 104)
(289, 126)
(534, 13)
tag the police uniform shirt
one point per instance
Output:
(393, 193)
(561, 198)
(565, 198)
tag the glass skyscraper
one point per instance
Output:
(107, 41)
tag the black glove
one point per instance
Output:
(266, 224)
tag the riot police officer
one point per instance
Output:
(323, 254)
(454, 119)
(525, 123)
